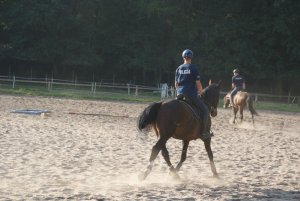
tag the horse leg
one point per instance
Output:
(211, 157)
(234, 113)
(241, 114)
(183, 154)
(155, 150)
(165, 154)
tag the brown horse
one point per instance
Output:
(240, 100)
(175, 118)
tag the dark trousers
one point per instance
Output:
(204, 111)
(233, 93)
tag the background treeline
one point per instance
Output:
(140, 41)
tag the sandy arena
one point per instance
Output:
(98, 157)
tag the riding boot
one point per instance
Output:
(205, 128)
(204, 133)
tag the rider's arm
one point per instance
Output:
(199, 87)
(176, 76)
(232, 83)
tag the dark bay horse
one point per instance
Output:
(174, 118)
(240, 100)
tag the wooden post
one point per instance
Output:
(136, 90)
(172, 92)
(92, 87)
(51, 84)
(128, 89)
(14, 80)
(46, 81)
(93, 90)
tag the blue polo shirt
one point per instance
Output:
(238, 80)
(186, 76)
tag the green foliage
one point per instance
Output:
(141, 41)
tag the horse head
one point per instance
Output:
(211, 96)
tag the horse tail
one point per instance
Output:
(148, 117)
(250, 105)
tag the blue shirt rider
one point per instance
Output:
(238, 84)
(187, 82)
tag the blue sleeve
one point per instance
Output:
(195, 72)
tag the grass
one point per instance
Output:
(277, 106)
(121, 95)
(110, 95)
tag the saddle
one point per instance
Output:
(189, 102)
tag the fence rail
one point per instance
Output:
(94, 88)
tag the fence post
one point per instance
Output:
(128, 89)
(14, 80)
(95, 88)
(51, 84)
(172, 92)
(164, 91)
(92, 87)
(136, 90)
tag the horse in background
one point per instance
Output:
(240, 100)
(177, 119)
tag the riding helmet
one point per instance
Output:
(236, 70)
(187, 54)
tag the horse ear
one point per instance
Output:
(209, 82)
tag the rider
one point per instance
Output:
(238, 84)
(187, 82)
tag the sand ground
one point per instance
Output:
(98, 157)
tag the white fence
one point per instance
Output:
(92, 88)
(80, 87)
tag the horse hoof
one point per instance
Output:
(142, 176)
(216, 176)
(174, 175)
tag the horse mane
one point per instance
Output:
(207, 94)
(208, 88)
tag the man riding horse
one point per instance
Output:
(238, 84)
(187, 82)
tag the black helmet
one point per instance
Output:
(236, 70)
(187, 54)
